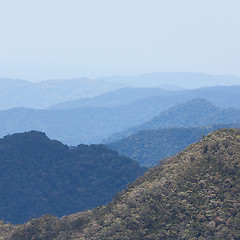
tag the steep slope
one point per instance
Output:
(196, 112)
(148, 147)
(195, 195)
(39, 175)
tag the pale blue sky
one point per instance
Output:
(46, 39)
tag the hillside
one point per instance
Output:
(194, 113)
(194, 195)
(148, 147)
(39, 175)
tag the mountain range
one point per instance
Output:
(20, 93)
(193, 195)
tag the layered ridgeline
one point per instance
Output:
(194, 195)
(93, 125)
(21, 93)
(148, 147)
(39, 175)
(194, 113)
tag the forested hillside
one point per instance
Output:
(194, 195)
(39, 176)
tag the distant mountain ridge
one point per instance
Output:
(187, 80)
(39, 176)
(21, 93)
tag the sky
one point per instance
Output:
(51, 39)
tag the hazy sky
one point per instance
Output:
(45, 39)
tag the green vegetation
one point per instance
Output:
(39, 175)
(148, 147)
(195, 195)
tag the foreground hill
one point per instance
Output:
(148, 147)
(39, 175)
(194, 113)
(195, 195)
